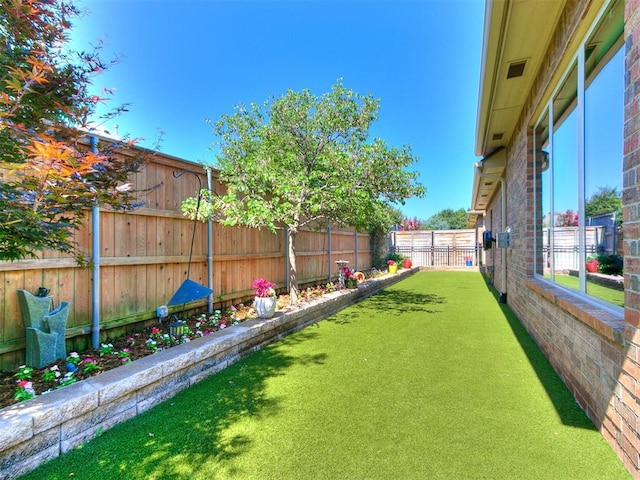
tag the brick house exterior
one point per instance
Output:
(528, 46)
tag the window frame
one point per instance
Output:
(546, 115)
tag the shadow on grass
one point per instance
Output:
(199, 428)
(563, 401)
(392, 301)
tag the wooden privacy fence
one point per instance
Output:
(437, 248)
(566, 245)
(144, 258)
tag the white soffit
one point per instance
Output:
(485, 188)
(516, 36)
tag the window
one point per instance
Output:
(578, 168)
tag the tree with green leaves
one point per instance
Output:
(300, 160)
(606, 200)
(50, 175)
(447, 219)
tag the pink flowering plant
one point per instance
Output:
(51, 374)
(90, 366)
(73, 358)
(124, 355)
(349, 276)
(25, 391)
(264, 288)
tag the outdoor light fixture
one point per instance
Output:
(544, 160)
(177, 328)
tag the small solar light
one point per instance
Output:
(177, 328)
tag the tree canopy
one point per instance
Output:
(447, 219)
(300, 159)
(606, 200)
(49, 173)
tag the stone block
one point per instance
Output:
(92, 420)
(157, 389)
(28, 462)
(126, 379)
(93, 430)
(63, 405)
(164, 392)
(15, 427)
(178, 361)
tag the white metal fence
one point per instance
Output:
(437, 248)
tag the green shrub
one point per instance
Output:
(610, 264)
(397, 257)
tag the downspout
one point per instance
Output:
(503, 219)
(355, 247)
(95, 261)
(479, 249)
(210, 248)
(287, 265)
(329, 250)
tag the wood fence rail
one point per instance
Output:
(144, 258)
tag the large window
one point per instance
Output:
(578, 169)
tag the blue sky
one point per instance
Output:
(184, 61)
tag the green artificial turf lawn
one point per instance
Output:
(430, 379)
(610, 295)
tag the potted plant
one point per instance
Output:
(592, 265)
(265, 298)
(350, 280)
(392, 266)
(406, 262)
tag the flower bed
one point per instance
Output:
(42, 428)
(28, 382)
(114, 353)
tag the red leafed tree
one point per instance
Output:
(410, 224)
(567, 219)
(49, 174)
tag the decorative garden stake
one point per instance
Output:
(341, 266)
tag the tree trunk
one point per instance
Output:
(293, 273)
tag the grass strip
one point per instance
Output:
(608, 294)
(431, 378)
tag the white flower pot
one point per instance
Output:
(265, 307)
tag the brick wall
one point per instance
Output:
(594, 351)
(625, 406)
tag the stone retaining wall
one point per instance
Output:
(610, 281)
(47, 426)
